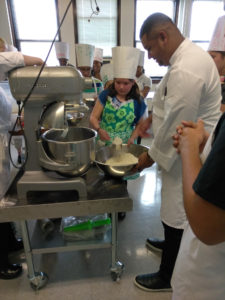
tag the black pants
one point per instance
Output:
(7, 239)
(172, 244)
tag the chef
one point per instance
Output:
(8, 61)
(190, 90)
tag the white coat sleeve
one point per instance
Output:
(8, 61)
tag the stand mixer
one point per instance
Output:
(55, 107)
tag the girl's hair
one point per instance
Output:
(133, 94)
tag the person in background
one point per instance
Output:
(8, 61)
(97, 63)
(189, 90)
(119, 108)
(144, 83)
(84, 61)
(217, 51)
(199, 269)
(107, 74)
(62, 53)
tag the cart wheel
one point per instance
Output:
(39, 280)
(117, 271)
(115, 276)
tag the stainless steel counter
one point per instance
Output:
(104, 195)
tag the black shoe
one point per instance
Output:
(155, 244)
(16, 246)
(121, 215)
(10, 271)
(152, 283)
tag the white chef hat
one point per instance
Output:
(106, 72)
(217, 42)
(84, 55)
(125, 61)
(141, 58)
(62, 50)
(98, 54)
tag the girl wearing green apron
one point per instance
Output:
(117, 112)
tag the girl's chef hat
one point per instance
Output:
(125, 62)
(62, 50)
(98, 54)
(141, 58)
(84, 55)
(218, 38)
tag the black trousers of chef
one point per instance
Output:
(7, 240)
(171, 247)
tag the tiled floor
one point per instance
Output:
(84, 275)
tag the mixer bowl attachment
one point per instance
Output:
(70, 150)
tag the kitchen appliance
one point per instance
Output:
(56, 146)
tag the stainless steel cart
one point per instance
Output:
(104, 195)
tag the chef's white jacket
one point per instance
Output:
(8, 61)
(190, 90)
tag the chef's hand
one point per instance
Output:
(144, 161)
(144, 126)
(103, 135)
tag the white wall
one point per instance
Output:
(67, 29)
(127, 23)
(5, 31)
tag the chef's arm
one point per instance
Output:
(144, 126)
(206, 220)
(32, 60)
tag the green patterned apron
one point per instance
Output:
(118, 121)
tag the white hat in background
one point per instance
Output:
(125, 62)
(62, 50)
(98, 54)
(217, 42)
(84, 55)
(141, 58)
(106, 72)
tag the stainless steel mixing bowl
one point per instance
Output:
(107, 152)
(74, 149)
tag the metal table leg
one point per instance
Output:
(37, 279)
(117, 267)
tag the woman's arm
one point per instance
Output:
(31, 60)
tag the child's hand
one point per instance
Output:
(103, 135)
